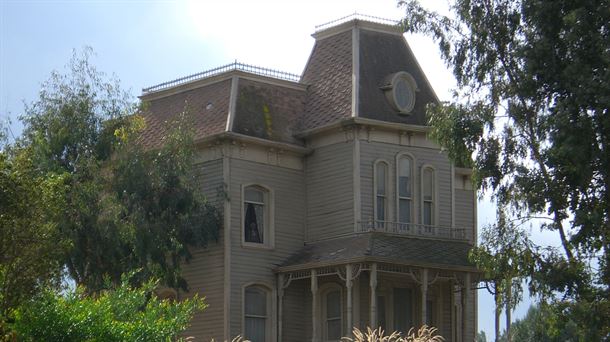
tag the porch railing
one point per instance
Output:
(418, 230)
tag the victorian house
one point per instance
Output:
(339, 211)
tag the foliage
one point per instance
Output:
(481, 337)
(423, 334)
(30, 244)
(530, 115)
(121, 314)
(123, 204)
(544, 324)
(505, 256)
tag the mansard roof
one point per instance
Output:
(345, 78)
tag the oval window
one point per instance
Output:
(400, 91)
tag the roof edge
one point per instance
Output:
(364, 121)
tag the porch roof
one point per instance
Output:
(380, 247)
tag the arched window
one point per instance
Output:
(256, 314)
(333, 320)
(257, 218)
(405, 188)
(428, 196)
(381, 192)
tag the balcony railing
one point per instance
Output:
(417, 230)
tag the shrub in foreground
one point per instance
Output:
(121, 314)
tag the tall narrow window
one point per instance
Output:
(428, 196)
(255, 308)
(333, 315)
(255, 214)
(405, 189)
(381, 189)
(403, 314)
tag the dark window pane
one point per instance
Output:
(380, 208)
(381, 178)
(428, 213)
(333, 304)
(402, 310)
(381, 322)
(254, 223)
(256, 302)
(404, 211)
(333, 329)
(255, 329)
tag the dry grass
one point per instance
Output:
(423, 334)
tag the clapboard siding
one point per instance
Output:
(464, 208)
(373, 151)
(330, 196)
(445, 317)
(255, 265)
(296, 310)
(204, 273)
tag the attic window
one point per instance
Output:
(400, 91)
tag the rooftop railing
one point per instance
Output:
(356, 16)
(222, 69)
(416, 230)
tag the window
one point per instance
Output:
(381, 319)
(256, 314)
(333, 315)
(381, 191)
(257, 219)
(428, 210)
(400, 91)
(405, 188)
(403, 310)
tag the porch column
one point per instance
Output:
(348, 285)
(424, 295)
(466, 307)
(373, 284)
(314, 307)
(280, 305)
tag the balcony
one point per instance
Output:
(417, 230)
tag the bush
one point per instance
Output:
(424, 334)
(122, 314)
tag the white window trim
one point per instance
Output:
(387, 189)
(324, 290)
(269, 229)
(434, 194)
(414, 204)
(271, 325)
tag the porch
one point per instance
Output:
(345, 283)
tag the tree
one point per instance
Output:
(543, 324)
(120, 204)
(530, 116)
(505, 257)
(31, 247)
(122, 314)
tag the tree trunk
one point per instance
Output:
(508, 303)
(497, 314)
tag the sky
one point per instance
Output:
(148, 42)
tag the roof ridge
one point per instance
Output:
(235, 66)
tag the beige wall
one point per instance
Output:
(204, 273)
(254, 264)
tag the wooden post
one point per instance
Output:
(280, 304)
(424, 295)
(314, 307)
(373, 284)
(466, 308)
(348, 285)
